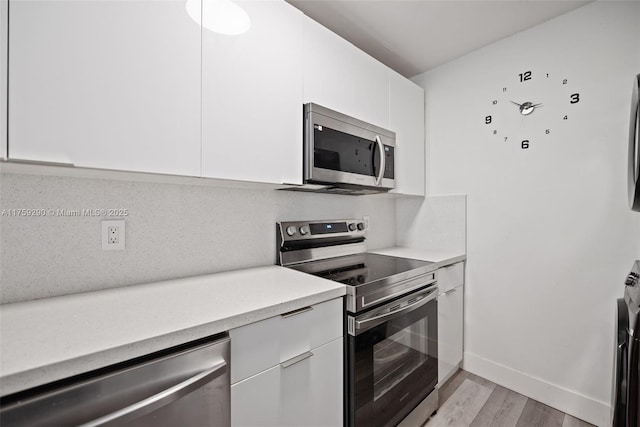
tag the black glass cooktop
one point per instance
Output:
(360, 268)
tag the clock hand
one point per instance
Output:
(527, 104)
(526, 108)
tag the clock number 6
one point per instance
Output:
(487, 120)
(525, 144)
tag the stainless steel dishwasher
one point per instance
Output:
(187, 385)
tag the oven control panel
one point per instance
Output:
(309, 230)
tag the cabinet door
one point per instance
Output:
(450, 332)
(339, 76)
(252, 96)
(306, 393)
(108, 84)
(371, 84)
(312, 390)
(4, 22)
(406, 119)
(256, 401)
(330, 67)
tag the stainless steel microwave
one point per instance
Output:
(347, 153)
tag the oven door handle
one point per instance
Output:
(387, 316)
(382, 161)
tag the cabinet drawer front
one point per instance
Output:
(450, 277)
(450, 332)
(262, 345)
(307, 393)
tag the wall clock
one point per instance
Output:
(529, 107)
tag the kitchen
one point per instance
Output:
(546, 230)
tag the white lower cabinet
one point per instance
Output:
(288, 370)
(307, 393)
(450, 320)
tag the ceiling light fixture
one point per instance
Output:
(220, 16)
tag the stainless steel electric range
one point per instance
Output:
(391, 320)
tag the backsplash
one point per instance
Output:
(172, 230)
(435, 223)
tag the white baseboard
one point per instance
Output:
(567, 401)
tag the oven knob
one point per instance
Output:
(360, 278)
(352, 226)
(291, 230)
(303, 230)
(360, 226)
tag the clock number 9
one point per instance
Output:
(525, 144)
(575, 98)
(525, 76)
(487, 120)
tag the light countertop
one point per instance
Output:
(54, 338)
(440, 258)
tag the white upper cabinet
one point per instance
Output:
(4, 21)
(371, 84)
(339, 76)
(406, 119)
(252, 96)
(106, 84)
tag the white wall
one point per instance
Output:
(172, 230)
(433, 223)
(550, 237)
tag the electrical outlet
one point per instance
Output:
(113, 235)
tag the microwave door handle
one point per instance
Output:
(382, 161)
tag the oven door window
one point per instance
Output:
(395, 365)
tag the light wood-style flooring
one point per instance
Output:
(468, 400)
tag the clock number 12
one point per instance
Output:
(525, 76)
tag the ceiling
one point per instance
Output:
(413, 36)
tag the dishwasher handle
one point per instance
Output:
(161, 399)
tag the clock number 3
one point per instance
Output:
(575, 98)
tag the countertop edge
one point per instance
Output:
(438, 258)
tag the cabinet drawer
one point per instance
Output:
(307, 393)
(450, 277)
(262, 345)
